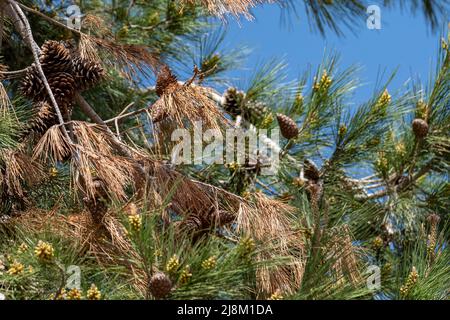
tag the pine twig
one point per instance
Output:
(14, 74)
(90, 112)
(27, 34)
(49, 19)
(127, 115)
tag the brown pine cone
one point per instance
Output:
(311, 171)
(87, 73)
(288, 126)
(192, 224)
(420, 128)
(225, 218)
(314, 192)
(55, 57)
(164, 80)
(32, 86)
(63, 86)
(433, 219)
(43, 119)
(160, 285)
(233, 101)
(97, 208)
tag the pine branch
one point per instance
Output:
(49, 19)
(21, 22)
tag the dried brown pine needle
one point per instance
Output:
(132, 60)
(344, 254)
(19, 168)
(53, 145)
(188, 197)
(266, 220)
(234, 7)
(181, 105)
(270, 222)
(93, 156)
(4, 98)
(95, 24)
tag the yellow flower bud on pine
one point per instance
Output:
(93, 293)
(60, 296)
(400, 149)
(22, 248)
(246, 195)
(135, 222)
(53, 172)
(16, 268)
(377, 243)
(299, 100)
(298, 182)
(209, 263)
(233, 166)
(445, 45)
(276, 296)
(44, 251)
(342, 130)
(185, 275)
(412, 279)
(422, 110)
(157, 253)
(173, 264)
(73, 294)
(267, 121)
(247, 245)
(324, 83)
(385, 98)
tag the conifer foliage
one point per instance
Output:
(88, 177)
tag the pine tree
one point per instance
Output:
(86, 177)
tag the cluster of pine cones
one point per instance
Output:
(67, 73)
(255, 112)
(252, 111)
(97, 206)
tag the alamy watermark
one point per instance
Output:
(73, 17)
(374, 278)
(237, 145)
(374, 19)
(73, 280)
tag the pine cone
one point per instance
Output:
(100, 188)
(225, 218)
(420, 128)
(233, 101)
(192, 224)
(86, 73)
(160, 285)
(97, 208)
(43, 119)
(255, 111)
(164, 80)
(311, 171)
(63, 86)
(288, 126)
(55, 57)
(31, 85)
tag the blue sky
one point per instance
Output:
(404, 42)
